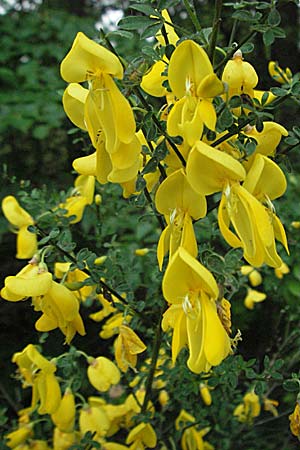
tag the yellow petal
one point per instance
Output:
(265, 178)
(65, 301)
(253, 297)
(26, 243)
(29, 282)
(114, 113)
(103, 163)
(188, 238)
(224, 223)
(216, 340)
(188, 63)
(197, 361)
(46, 323)
(184, 273)
(87, 59)
(49, 393)
(102, 373)
(64, 416)
(85, 185)
(172, 36)
(209, 169)
(86, 165)
(127, 154)
(163, 245)
(175, 192)
(123, 175)
(210, 86)
(153, 79)
(73, 102)
(94, 419)
(208, 114)
(13, 212)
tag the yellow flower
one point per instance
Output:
(46, 390)
(94, 419)
(177, 200)
(192, 292)
(62, 440)
(249, 409)
(278, 74)
(254, 276)
(194, 84)
(88, 60)
(255, 225)
(38, 373)
(143, 435)
(253, 297)
(191, 437)
(64, 416)
(240, 76)
(32, 280)
(60, 308)
(127, 346)
(205, 394)
(19, 436)
(295, 421)
(282, 270)
(74, 280)
(102, 373)
(141, 251)
(73, 102)
(152, 81)
(271, 406)
(20, 220)
(83, 195)
(296, 225)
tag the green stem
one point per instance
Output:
(154, 358)
(157, 215)
(192, 16)
(215, 30)
(231, 133)
(139, 94)
(232, 34)
(72, 258)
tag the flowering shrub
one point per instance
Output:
(192, 146)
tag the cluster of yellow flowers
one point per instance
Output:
(198, 167)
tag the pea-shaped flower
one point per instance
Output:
(102, 373)
(20, 220)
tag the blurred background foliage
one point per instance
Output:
(38, 143)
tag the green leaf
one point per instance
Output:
(279, 92)
(150, 166)
(140, 183)
(291, 385)
(294, 287)
(247, 48)
(296, 88)
(274, 18)
(225, 119)
(146, 9)
(250, 373)
(235, 101)
(121, 33)
(268, 37)
(151, 30)
(135, 23)
(246, 16)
